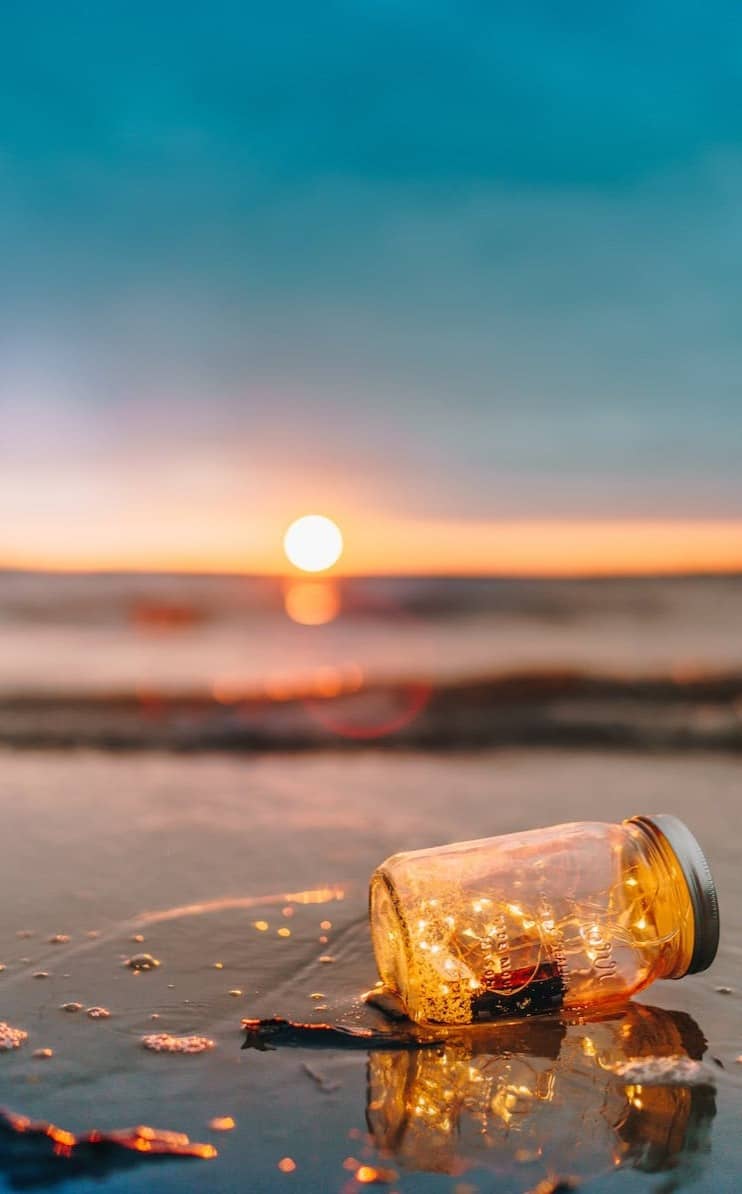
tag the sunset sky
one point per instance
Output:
(463, 276)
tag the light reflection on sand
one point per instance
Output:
(319, 895)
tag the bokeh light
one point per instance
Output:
(313, 543)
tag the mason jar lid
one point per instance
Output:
(704, 900)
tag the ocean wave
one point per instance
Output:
(530, 708)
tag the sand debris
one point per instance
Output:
(98, 1013)
(163, 1042)
(11, 1038)
(42, 1054)
(70, 1007)
(275, 1030)
(59, 939)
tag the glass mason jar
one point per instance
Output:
(573, 916)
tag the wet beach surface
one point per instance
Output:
(231, 870)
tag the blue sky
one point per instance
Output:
(458, 261)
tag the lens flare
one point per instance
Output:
(313, 543)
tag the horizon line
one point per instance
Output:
(331, 575)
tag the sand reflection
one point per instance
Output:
(546, 1096)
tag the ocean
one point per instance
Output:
(222, 661)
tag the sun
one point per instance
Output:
(313, 543)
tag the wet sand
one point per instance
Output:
(190, 854)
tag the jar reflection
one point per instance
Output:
(542, 1094)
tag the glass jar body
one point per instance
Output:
(573, 916)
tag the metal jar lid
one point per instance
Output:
(704, 900)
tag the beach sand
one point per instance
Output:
(188, 853)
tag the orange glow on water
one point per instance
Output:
(227, 690)
(280, 687)
(328, 682)
(312, 603)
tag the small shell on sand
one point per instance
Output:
(98, 1013)
(42, 1054)
(163, 1042)
(11, 1038)
(41, 974)
(326, 958)
(142, 962)
(663, 1071)
(59, 939)
(71, 1007)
